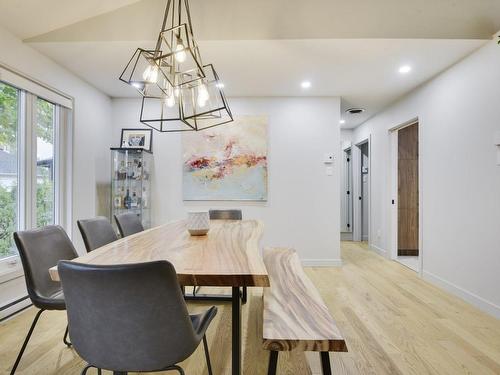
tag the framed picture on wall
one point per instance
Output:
(137, 138)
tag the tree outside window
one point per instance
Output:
(9, 181)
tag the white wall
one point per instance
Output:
(459, 113)
(346, 135)
(92, 132)
(303, 207)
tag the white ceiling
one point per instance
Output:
(266, 48)
(29, 18)
(255, 19)
(363, 72)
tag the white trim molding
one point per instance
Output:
(473, 299)
(322, 262)
(379, 250)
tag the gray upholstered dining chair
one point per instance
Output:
(96, 232)
(225, 214)
(131, 317)
(128, 223)
(41, 249)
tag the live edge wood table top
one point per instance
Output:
(228, 255)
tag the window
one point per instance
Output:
(45, 168)
(9, 166)
(31, 132)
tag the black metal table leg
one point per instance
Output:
(273, 363)
(236, 339)
(325, 363)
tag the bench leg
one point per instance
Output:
(273, 363)
(244, 295)
(325, 363)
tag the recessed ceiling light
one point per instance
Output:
(405, 69)
(305, 84)
(342, 121)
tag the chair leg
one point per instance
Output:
(65, 338)
(19, 356)
(85, 369)
(207, 355)
(174, 367)
(325, 363)
(273, 363)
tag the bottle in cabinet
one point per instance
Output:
(127, 200)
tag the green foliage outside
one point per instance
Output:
(9, 98)
(7, 220)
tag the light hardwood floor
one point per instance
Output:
(393, 322)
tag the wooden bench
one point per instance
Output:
(295, 316)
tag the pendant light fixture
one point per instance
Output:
(179, 92)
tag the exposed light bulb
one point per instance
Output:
(151, 74)
(201, 102)
(203, 96)
(180, 54)
(203, 93)
(170, 101)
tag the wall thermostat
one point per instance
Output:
(328, 158)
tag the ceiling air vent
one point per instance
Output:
(355, 111)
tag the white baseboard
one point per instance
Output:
(345, 236)
(322, 262)
(378, 250)
(470, 297)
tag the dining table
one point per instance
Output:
(229, 255)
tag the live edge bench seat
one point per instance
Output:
(295, 316)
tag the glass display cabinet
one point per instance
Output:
(131, 183)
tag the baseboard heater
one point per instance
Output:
(9, 305)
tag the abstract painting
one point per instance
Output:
(228, 162)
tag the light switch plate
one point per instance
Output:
(328, 158)
(329, 171)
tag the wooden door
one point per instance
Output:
(408, 191)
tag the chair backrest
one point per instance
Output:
(41, 249)
(129, 317)
(128, 223)
(96, 232)
(225, 214)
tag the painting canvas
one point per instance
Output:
(227, 162)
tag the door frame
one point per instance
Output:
(393, 191)
(357, 177)
(346, 199)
